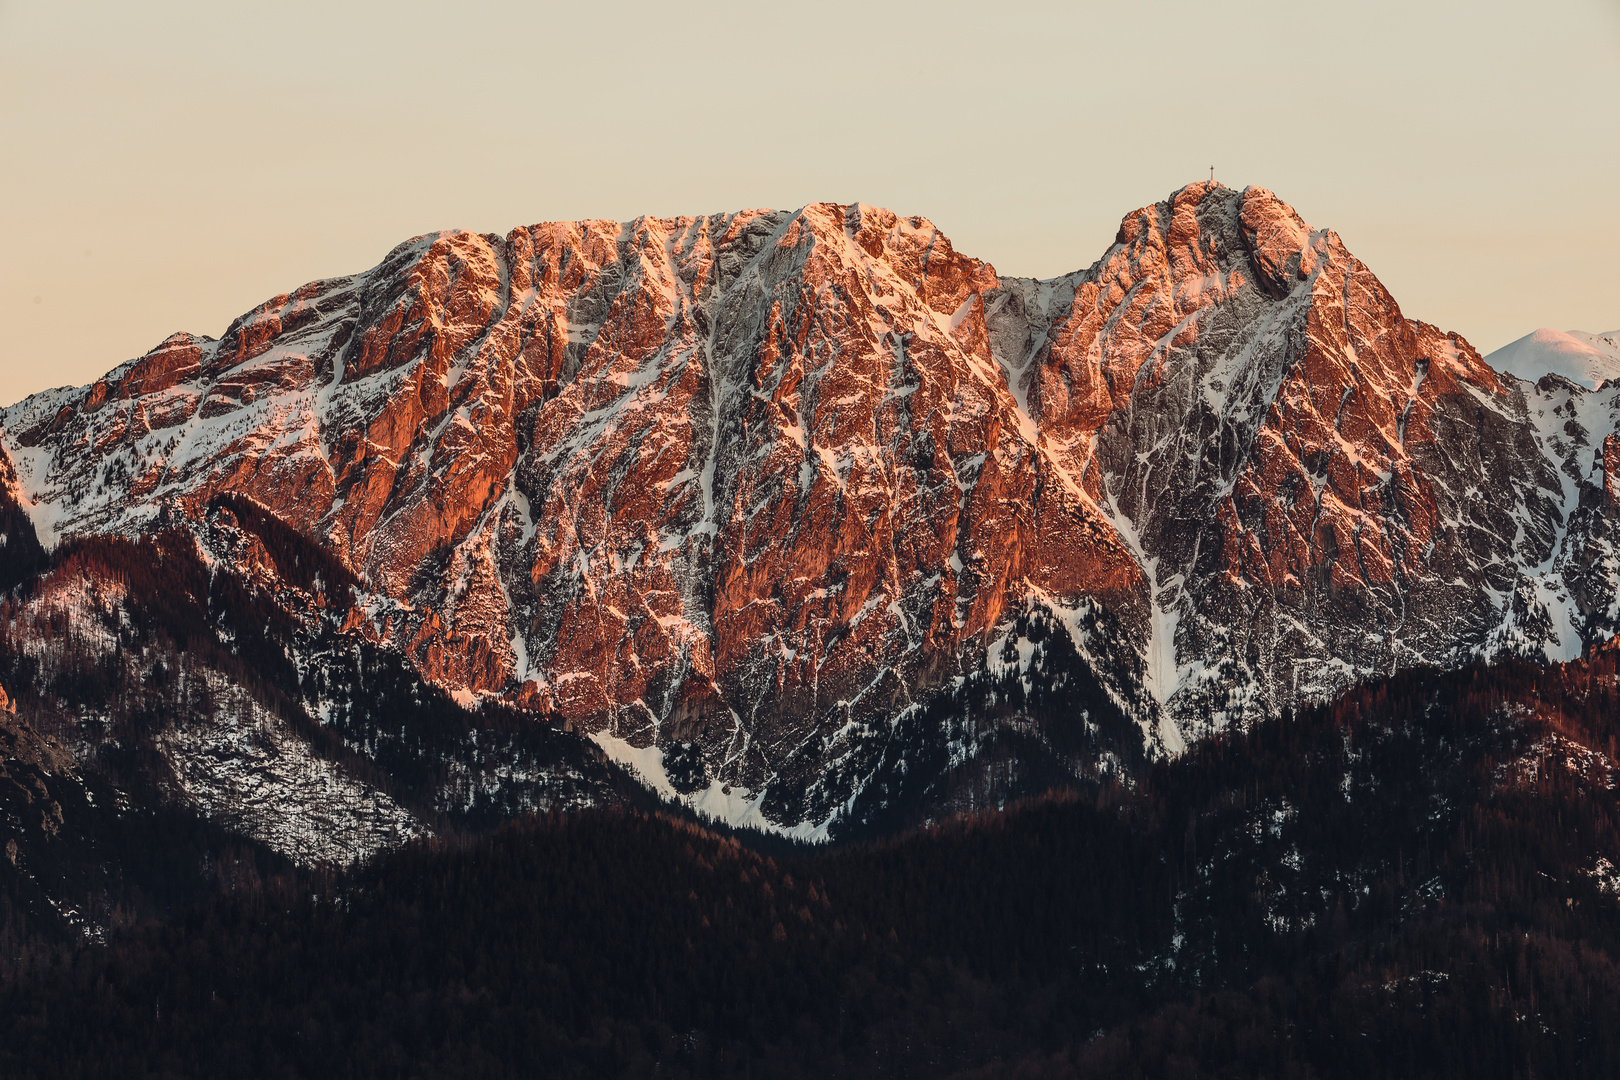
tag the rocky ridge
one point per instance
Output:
(770, 503)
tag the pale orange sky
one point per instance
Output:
(169, 165)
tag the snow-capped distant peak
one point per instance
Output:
(1583, 358)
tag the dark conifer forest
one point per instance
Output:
(1413, 881)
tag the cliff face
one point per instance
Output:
(1318, 488)
(746, 496)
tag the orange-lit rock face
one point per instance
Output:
(1611, 471)
(756, 479)
(782, 484)
(1318, 487)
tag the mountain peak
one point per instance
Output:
(1585, 359)
(749, 488)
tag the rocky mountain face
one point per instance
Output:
(806, 516)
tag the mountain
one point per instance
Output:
(1587, 359)
(810, 520)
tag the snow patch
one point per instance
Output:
(1582, 358)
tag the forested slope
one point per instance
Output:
(1415, 881)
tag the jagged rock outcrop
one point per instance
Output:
(736, 493)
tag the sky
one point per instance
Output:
(169, 165)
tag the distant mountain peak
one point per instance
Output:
(1585, 359)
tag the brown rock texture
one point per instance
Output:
(759, 482)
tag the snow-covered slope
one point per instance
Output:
(1586, 359)
(755, 499)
